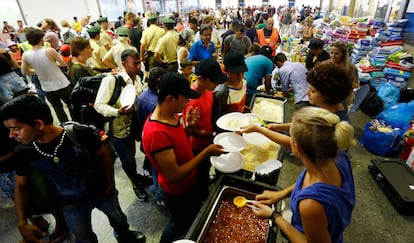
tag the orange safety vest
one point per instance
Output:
(273, 40)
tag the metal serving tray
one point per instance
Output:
(226, 194)
(226, 188)
(270, 108)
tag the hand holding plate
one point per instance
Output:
(214, 150)
(249, 129)
(125, 110)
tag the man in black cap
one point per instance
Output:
(316, 53)
(209, 75)
(168, 148)
(231, 96)
(167, 47)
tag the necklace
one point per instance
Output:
(54, 155)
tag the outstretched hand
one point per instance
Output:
(262, 211)
(249, 129)
(215, 150)
(269, 197)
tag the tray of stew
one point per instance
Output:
(228, 223)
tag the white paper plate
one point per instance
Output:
(228, 163)
(268, 166)
(253, 119)
(230, 141)
(255, 138)
(184, 241)
(232, 121)
(128, 95)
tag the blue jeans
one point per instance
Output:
(78, 217)
(155, 183)
(125, 148)
(183, 210)
(39, 90)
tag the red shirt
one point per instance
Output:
(204, 104)
(158, 136)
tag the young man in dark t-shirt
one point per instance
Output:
(82, 174)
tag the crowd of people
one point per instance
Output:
(184, 78)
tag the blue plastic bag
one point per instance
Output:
(381, 143)
(389, 93)
(398, 115)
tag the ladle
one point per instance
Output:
(241, 201)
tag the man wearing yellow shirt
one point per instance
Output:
(166, 51)
(105, 39)
(149, 40)
(98, 50)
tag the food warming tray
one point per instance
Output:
(270, 108)
(223, 191)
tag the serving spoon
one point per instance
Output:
(241, 201)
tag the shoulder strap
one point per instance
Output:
(70, 132)
(149, 43)
(68, 127)
(119, 83)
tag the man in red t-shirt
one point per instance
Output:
(209, 75)
(167, 146)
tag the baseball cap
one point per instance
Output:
(65, 48)
(102, 19)
(209, 68)
(156, 73)
(175, 84)
(94, 29)
(122, 31)
(234, 62)
(152, 17)
(315, 44)
(266, 51)
(168, 21)
(11, 43)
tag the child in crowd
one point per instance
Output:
(186, 70)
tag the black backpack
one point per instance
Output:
(91, 170)
(83, 97)
(372, 104)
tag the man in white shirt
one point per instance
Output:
(121, 125)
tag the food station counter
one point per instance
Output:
(251, 166)
(219, 220)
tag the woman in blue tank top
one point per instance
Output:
(323, 197)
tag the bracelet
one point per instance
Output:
(274, 215)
